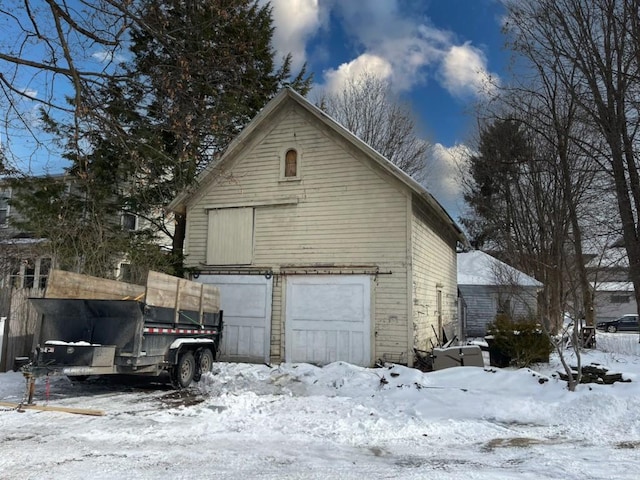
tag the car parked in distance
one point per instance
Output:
(626, 323)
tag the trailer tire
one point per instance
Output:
(204, 361)
(183, 373)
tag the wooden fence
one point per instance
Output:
(20, 327)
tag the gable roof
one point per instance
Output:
(289, 96)
(479, 268)
(612, 257)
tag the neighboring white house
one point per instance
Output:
(613, 300)
(25, 262)
(323, 250)
(488, 286)
(613, 291)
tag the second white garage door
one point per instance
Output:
(246, 304)
(328, 319)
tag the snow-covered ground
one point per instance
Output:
(297, 421)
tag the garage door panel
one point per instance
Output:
(342, 306)
(328, 319)
(230, 336)
(244, 300)
(298, 345)
(258, 342)
(249, 341)
(322, 346)
(357, 348)
(327, 325)
(246, 303)
(343, 347)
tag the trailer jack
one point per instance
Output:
(30, 388)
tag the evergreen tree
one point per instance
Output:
(503, 151)
(201, 70)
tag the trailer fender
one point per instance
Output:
(179, 345)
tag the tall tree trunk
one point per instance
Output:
(177, 247)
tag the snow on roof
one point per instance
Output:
(479, 268)
(613, 257)
(613, 287)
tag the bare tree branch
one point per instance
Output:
(367, 108)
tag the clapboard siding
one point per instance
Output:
(609, 304)
(434, 267)
(391, 316)
(345, 208)
(481, 302)
(344, 211)
(480, 308)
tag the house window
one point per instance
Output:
(291, 164)
(503, 305)
(5, 196)
(16, 273)
(45, 269)
(620, 298)
(126, 275)
(29, 273)
(129, 222)
(230, 236)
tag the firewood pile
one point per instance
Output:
(594, 373)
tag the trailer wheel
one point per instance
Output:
(183, 373)
(205, 363)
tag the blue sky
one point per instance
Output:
(442, 56)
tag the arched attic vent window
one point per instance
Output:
(291, 163)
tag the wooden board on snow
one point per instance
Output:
(49, 408)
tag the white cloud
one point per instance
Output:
(399, 44)
(29, 92)
(102, 56)
(105, 56)
(295, 21)
(464, 72)
(444, 180)
(371, 64)
(406, 42)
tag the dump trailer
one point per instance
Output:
(95, 326)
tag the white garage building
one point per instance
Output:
(323, 250)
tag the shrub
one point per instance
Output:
(523, 341)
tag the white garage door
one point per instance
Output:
(328, 319)
(246, 304)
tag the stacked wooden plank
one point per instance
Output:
(172, 292)
(63, 284)
(161, 290)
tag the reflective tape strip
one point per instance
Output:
(178, 331)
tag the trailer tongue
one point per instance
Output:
(94, 326)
